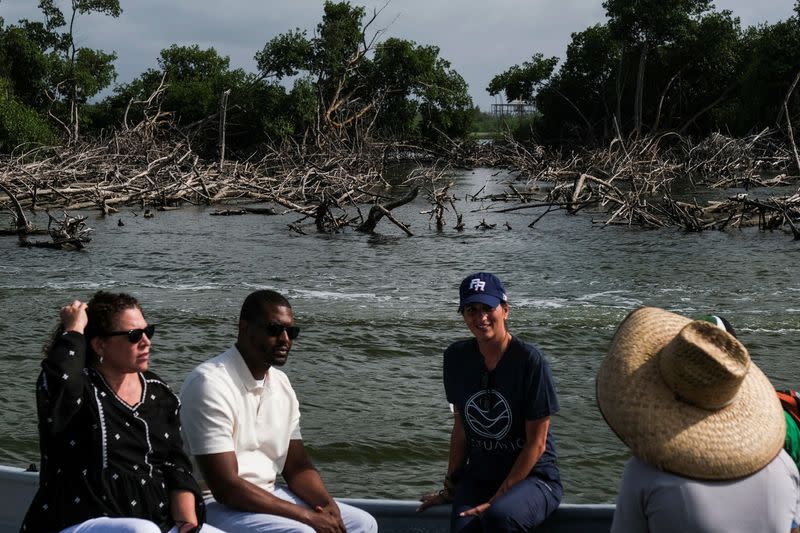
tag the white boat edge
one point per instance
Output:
(18, 486)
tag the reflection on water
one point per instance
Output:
(377, 311)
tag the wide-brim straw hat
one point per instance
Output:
(685, 397)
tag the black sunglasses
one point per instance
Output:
(276, 330)
(134, 335)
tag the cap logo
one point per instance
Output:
(477, 285)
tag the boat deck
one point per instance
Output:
(17, 488)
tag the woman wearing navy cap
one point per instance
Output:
(501, 473)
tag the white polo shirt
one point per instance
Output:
(223, 409)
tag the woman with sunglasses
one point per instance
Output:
(109, 431)
(502, 473)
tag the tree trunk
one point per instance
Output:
(223, 112)
(73, 104)
(786, 100)
(74, 117)
(637, 105)
(661, 101)
(618, 111)
(791, 138)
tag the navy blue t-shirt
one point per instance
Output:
(495, 405)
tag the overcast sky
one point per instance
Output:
(480, 38)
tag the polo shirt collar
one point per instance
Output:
(241, 370)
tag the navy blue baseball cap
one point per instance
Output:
(481, 287)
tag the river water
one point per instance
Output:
(377, 311)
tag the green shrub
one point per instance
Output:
(521, 127)
(20, 124)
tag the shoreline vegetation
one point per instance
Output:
(627, 128)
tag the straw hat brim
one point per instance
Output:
(660, 429)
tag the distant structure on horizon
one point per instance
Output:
(516, 108)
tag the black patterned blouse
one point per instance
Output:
(101, 456)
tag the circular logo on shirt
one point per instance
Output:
(488, 414)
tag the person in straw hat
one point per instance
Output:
(790, 401)
(704, 426)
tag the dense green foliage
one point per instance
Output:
(661, 65)
(194, 80)
(395, 89)
(47, 78)
(654, 65)
(490, 126)
(339, 85)
(20, 125)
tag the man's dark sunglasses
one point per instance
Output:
(276, 330)
(134, 335)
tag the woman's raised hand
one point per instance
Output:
(74, 317)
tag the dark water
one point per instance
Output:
(377, 311)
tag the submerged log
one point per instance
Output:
(261, 211)
(378, 211)
(23, 227)
(66, 233)
(229, 212)
(441, 199)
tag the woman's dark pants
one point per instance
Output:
(522, 508)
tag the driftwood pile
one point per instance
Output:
(67, 232)
(639, 182)
(152, 165)
(328, 190)
(650, 182)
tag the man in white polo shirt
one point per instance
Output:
(241, 421)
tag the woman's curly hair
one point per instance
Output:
(101, 310)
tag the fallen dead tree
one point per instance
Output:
(67, 233)
(379, 211)
(152, 165)
(650, 182)
(136, 168)
(716, 161)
